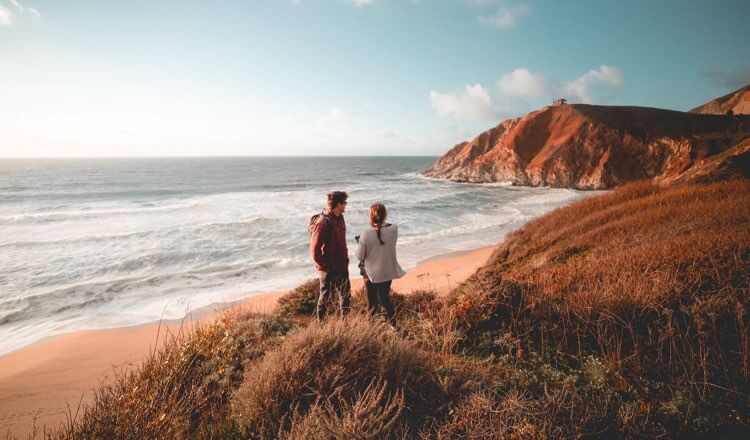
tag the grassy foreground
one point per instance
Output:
(622, 315)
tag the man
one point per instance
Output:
(329, 252)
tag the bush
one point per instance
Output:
(302, 300)
(181, 390)
(324, 368)
(371, 415)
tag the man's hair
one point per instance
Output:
(336, 197)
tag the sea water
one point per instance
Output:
(102, 243)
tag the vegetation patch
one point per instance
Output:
(623, 315)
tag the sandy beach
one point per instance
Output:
(39, 383)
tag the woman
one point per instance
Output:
(377, 248)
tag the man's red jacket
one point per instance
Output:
(328, 243)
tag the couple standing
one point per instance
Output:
(376, 251)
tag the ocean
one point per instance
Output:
(104, 243)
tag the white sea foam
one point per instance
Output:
(158, 238)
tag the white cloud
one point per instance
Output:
(6, 17)
(586, 87)
(520, 90)
(21, 7)
(731, 79)
(506, 17)
(473, 103)
(521, 82)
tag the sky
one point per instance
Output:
(340, 77)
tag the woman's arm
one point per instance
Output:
(362, 246)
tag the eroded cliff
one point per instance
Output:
(592, 147)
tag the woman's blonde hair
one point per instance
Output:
(378, 215)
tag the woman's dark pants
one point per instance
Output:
(378, 294)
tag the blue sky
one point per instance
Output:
(340, 77)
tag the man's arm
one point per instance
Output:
(317, 241)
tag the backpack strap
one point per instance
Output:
(318, 218)
(323, 217)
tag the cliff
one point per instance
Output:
(592, 147)
(738, 102)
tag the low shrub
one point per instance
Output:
(325, 367)
(302, 300)
(183, 389)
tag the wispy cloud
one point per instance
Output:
(514, 92)
(506, 17)
(731, 79)
(7, 16)
(384, 134)
(23, 8)
(334, 117)
(354, 2)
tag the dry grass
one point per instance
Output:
(181, 390)
(655, 281)
(323, 368)
(302, 300)
(623, 315)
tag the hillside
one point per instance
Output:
(737, 101)
(591, 147)
(624, 315)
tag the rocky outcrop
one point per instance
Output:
(738, 102)
(591, 147)
(733, 163)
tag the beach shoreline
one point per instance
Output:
(45, 382)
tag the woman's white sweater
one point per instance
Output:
(380, 260)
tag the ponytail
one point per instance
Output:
(377, 218)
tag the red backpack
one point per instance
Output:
(314, 220)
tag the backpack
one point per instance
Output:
(314, 220)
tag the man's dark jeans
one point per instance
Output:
(334, 283)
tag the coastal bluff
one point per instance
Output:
(595, 147)
(738, 102)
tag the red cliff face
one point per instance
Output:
(591, 147)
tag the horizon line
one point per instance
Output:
(215, 157)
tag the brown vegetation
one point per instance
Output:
(325, 370)
(622, 315)
(182, 390)
(653, 281)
